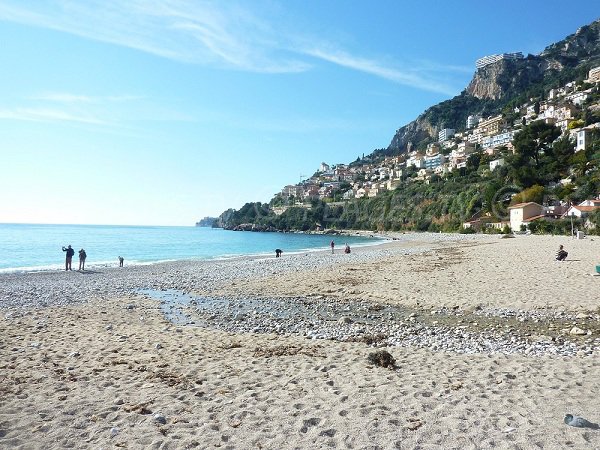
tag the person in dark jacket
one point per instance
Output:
(82, 256)
(69, 257)
(561, 254)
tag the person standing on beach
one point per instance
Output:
(82, 256)
(69, 257)
(332, 246)
(121, 259)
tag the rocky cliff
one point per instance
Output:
(496, 85)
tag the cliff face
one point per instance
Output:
(413, 133)
(493, 86)
(503, 77)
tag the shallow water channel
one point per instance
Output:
(448, 329)
(185, 309)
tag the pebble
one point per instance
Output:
(318, 318)
(159, 418)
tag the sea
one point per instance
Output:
(33, 248)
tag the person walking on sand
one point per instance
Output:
(121, 259)
(332, 244)
(69, 257)
(82, 256)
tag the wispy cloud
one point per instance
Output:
(48, 115)
(220, 34)
(186, 31)
(418, 80)
(64, 97)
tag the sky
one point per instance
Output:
(161, 112)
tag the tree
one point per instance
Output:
(534, 139)
(533, 194)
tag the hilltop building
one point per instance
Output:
(490, 59)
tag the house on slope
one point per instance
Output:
(524, 213)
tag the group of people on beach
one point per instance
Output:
(70, 252)
(278, 251)
(69, 257)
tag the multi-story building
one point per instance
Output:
(472, 121)
(292, 190)
(324, 167)
(491, 126)
(433, 161)
(594, 75)
(583, 140)
(497, 140)
(445, 134)
(490, 59)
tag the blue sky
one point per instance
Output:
(162, 112)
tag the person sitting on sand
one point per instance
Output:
(82, 256)
(561, 254)
(69, 257)
(121, 259)
(347, 249)
(278, 252)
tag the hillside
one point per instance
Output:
(503, 84)
(533, 135)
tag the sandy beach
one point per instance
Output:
(493, 343)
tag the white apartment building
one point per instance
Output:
(594, 75)
(472, 121)
(497, 140)
(490, 59)
(445, 134)
(583, 140)
(433, 161)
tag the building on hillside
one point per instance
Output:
(491, 126)
(433, 161)
(433, 148)
(490, 59)
(445, 134)
(324, 167)
(417, 161)
(292, 190)
(497, 140)
(348, 195)
(496, 163)
(362, 192)
(583, 140)
(392, 184)
(583, 210)
(594, 75)
(577, 98)
(472, 121)
(524, 213)
(311, 192)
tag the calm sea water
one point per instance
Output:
(26, 247)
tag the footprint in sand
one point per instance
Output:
(309, 423)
